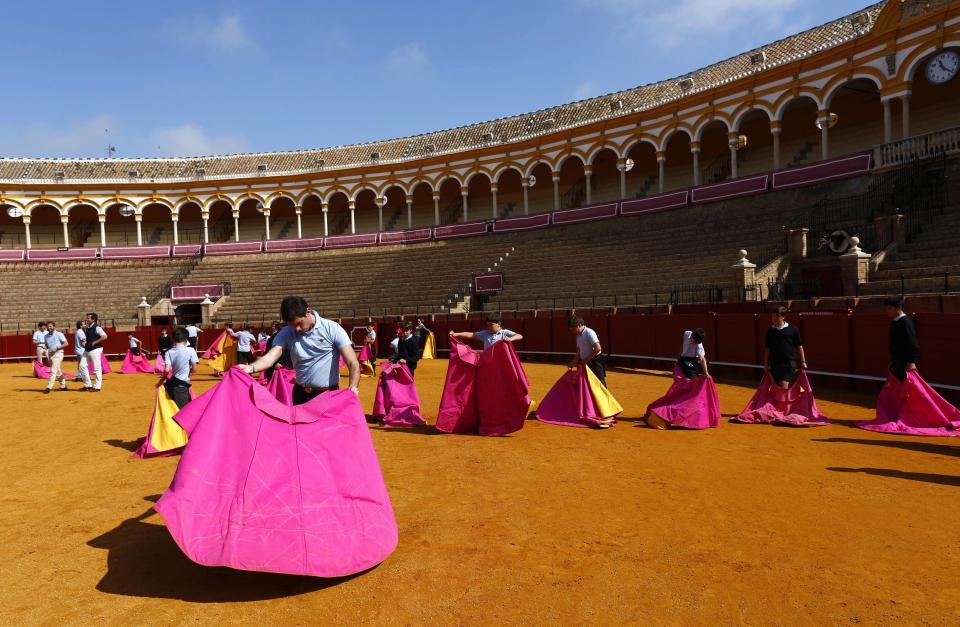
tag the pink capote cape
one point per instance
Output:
(159, 367)
(214, 349)
(397, 402)
(164, 435)
(43, 372)
(281, 384)
(771, 404)
(266, 486)
(485, 392)
(913, 408)
(689, 403)
(104, 364)
(135, 364)
(577, 399)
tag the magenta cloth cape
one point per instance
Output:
(104, 364)
(266, 486)
(159, 366)
(913, 408)
(164, 435)
(281, 385)
(795, 406)
(135, 364)
(570, 402)
(43, 372)
(689, 403)
(397, 402)
(214, 349)
(365, 354)
(485, 392)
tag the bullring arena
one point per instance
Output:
(818, 173)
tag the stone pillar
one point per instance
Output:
(555, 177)
(102, 219)
(465, 193)
(695, 151)
(661, 169)
(380, 203)
(299, 210)
(526, 197)
(775, 132)
(436, 208)
(823, 118)
(66, 231)
(266, 221)
(743, 278)
(622, 166)
(139, 219)
(206, 227)
(887, 121)
(409, 200)
(854, 268)
(889, 230)
(905, 106)
(325, 208)
(236, 225)
(797, 244)
(588, 173)
(732, 140)
(206, 309)
(352, 204)
(493, 206)
(144, 319)
(176, 233)
(26, 230)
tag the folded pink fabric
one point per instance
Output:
(159, 367)
(689, 403)
(912, 407)
(43, 372)
(104, 364)
(397, 402)
(485, 392)
(266, 486)
(365, 354)
(135, 364)
(771, 404)
(164, 435)
(570, 402)
(281, 384)
(213, 350)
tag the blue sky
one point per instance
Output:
(190, 78)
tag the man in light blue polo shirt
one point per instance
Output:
(315, 345)
(193, 332)
(55, 342)
(79, 341)
(38, 342)
(244, 341)
(494, 333)
(180, 360)
(589, 351)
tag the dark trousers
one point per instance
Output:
(178, 390)
(689, 366)
(596, 367)
(244, 357)
(192, 341)
(899, 370)
(783, 371)
(301, 396)
(135, 351)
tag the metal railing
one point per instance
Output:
(946, 141)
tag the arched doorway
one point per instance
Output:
(605, 180)
(799, 136)
(46, 229)
(715, 162)
(573, 183)
(83, 226)
(157, 225)
(756, 154)
(678, 166)
(858, 124)
(451, 203)
(642, 178)
(510, 193)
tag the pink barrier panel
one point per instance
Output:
(135, 252)
(406, 237)
(523, 223)
(234, 248)
(351, 241)
(585, 214)
(52, 254)
(655, 203)
(12, 255)
(187, 250)
(825, 171)
(487, 283)
(730, 189)
(287, 245)
(195, 292)
(459, 230)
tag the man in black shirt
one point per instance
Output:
(783, 343)
(903, 339)
(164, 343)
(408, 348)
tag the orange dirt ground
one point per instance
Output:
(743, 524)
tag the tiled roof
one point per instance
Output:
(472, 136)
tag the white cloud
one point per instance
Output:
(86, 138)
(408, 58)
(585, 90)
(224, 34)
(672, 24)
(189, 140)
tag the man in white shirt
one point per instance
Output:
(38, 343)
(244, 344)
(55, 343)
(193, 332)
(315, 345)
(693, 358)
(94, 337)
(371, 343)
(494, 333)
(589, 351)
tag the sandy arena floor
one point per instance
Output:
(739, 525)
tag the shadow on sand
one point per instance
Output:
(925, 477)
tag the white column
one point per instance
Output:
(905, 106)
(623, 178)
(266, 221)
(176, 233)
(206, 229)
(661, 168)
(103, 230)
(236, 226)
(326, 209)
(555, 176)
(823, 117)
(353, 216)
(775, 132)
(588, 175)
(732, 142)
(695, 151)
(493, 198)
(66, 235)
(464, 193)
(299, 211)
(526, 197)
(26, 230)
(887, 121)
(436, 208)
(409, 212)
(139, 219)
(380, 202)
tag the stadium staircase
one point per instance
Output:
(392, 221)
(801, 156)
(285, 230)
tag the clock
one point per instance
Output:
(943, 67)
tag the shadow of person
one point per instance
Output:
(920, 447)
(925, 477)
(131, 446)
(144, 561)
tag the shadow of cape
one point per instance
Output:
(144, 561)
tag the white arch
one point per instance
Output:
(783, 105)
(155, 201)
(636, 142)
(600, 148)
(533, 166)
(499, 172)
(754, 107)
(925, 54)
(567, 156)
(666, 138)
(447, 177)
(477, 173)
(76, 203)
(28, 209)
(698, 132)
(833, 92)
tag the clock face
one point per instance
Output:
(943, 67)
